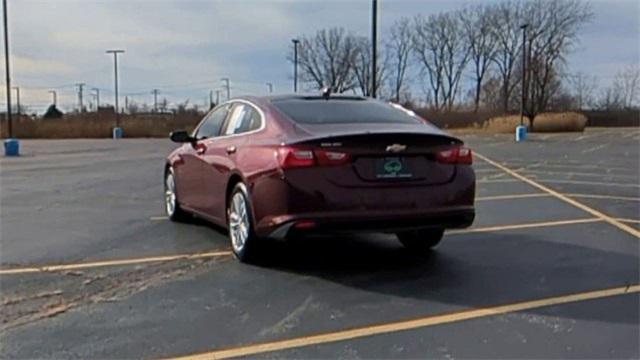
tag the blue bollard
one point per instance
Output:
(521, 133)
(11, 147)
(117, 133)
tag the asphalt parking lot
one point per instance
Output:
(90, 267)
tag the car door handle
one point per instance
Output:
(231, 150)
(200, 150)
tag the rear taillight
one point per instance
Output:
(292, 157)
(289, 157)
(456, 155)
(332, 157)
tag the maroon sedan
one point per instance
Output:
(273, 167)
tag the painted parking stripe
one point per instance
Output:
(143, 260)
(105, 263)
(559, 181)
(585, 174)
(513, 196)
(387, 328)
(606, 197)
(535, 195)
(523, 226)
(633, 221)
(158, 218)
(564, 198)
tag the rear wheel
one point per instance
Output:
(243, 239)
(171, 204)
(421, 240)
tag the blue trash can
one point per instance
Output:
(521, 133)
(117, 133)
(11, 147)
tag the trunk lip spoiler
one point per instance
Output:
(333, 138)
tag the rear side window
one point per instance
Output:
(243, 118)
(212, 123)
(337, 111)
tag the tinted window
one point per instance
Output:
(243, 118)
(338, 111)
(212, 124)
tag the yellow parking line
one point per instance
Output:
(509, 197)
(608, 197)
(634, 221)
(143, 260)
(134, 261)
(366, 331)
(491, 181)
(564, 198)
(523, 226)
(595, 183)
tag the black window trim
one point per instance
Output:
(263, 123)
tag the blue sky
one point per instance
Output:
(184, 47)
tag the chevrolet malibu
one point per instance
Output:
(275, 167)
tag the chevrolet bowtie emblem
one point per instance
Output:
(395, 148)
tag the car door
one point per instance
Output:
(220, 156)
(205, 134)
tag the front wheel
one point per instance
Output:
(421, 240)
(171, 205)
(239, 218)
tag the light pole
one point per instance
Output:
(226, 86)
(6, 68)
(17, 89)
(155, 99)
(524, 72)
(115, 76)
(374, 45)
(270, 86)
(80, 89)
(295, 64)
(55, 97)
(97, 95)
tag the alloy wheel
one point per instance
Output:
(238, 222)
(170, 194)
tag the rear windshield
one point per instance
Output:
(339, 111)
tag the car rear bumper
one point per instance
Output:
(389, 222)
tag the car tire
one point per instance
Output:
(244, 241)
(171, 203)
(421, 240)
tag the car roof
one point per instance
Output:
(306, 96)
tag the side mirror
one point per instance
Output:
(181, 136)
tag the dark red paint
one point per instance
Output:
(331, 192)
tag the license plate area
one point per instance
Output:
(390, 168)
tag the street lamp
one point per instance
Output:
(374, 45)
(524, 73)
(295, 64)
(55, 97)
(6, 68)
(117, 131)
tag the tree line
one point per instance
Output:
(469, 58)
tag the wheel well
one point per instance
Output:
(233, 181)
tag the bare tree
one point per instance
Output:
(440, 48)
(477, 24)
(623, 92)
(399, 48)
(553, 30)
(326, 59)
(361, 67)
(627, 83)
(582, 87)
(505, 17)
